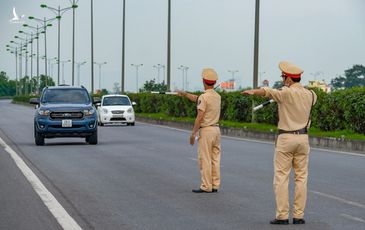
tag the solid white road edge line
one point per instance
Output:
(63, 218)
(353, 218)
(261, 142)
(349, 202)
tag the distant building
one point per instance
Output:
(228, 85)
(319, 85)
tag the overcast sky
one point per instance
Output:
(322, 37)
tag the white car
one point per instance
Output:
(116, 109)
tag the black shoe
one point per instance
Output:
(199, 191)
(214, 190)
(276, 221)
(298, 221)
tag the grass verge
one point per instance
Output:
(314, 132)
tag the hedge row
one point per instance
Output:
(340, 110)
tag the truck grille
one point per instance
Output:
(67, 115)
(117, 111)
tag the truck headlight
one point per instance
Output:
(105, 110)
(130, 110)
(89, 112)
(43, 112)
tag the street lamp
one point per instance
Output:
(100, 64)
(184, 71)
(49, 66)
(79, 64)
(19, 64)
(31, 45)
(158, 67)
(233, 72)
(163, 71)
(14, 50)
(63, 68)
(59, 12)
(36, 29)
(26, 51)
(137, 66)
(45, 24)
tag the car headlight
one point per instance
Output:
(105, 110)
(43, 112)
(89, 112)
(130, 110)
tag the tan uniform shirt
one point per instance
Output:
(210, 103)
(294, 105)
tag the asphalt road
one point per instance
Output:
(141, 178)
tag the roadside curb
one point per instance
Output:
(315, 142)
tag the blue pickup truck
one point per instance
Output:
(65, 111)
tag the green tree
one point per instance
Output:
(153, 86)
(7, 87)
(354, 76)
(116, 88)
(278, 84)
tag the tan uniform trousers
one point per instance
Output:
(209, 157)
(291, 150)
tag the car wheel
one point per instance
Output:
(101, 124)
(93, 139)
(38, 138)
(132, 124)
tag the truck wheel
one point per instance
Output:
(93, 139)
(38, 138)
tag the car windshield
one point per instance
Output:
(110, 101)
(66, 96)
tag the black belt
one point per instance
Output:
(299, 131)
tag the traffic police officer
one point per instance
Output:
(292, 147)
(207, 129)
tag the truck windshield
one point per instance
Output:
(110, 101)
(66, 96)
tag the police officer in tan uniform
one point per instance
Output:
(292, 147)
(207, 130)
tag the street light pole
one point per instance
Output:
(168, 45)
(100, 64)
(186, 77)
(63, 69)
(31, 50)
(123, 50)
(184, 71)
(74, 6)
(92, 46)
(137, 66)
(79, 64)
(256, 45)
(59, 12)
(44, 21)
(36, 29)
(25, 45)
(163, 71)
(15, 52)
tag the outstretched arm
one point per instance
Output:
(191, 97)
(257, 92)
